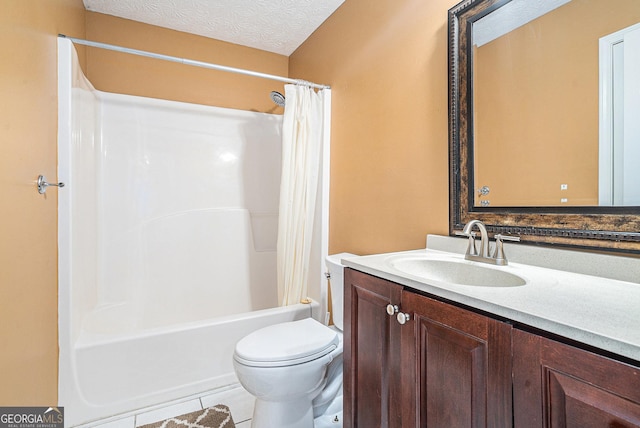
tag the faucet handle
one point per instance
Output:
(471, 248)
(498, 253)
(500, 237)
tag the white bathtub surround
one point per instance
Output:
(304, 133)
(167, 245)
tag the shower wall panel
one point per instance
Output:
(167, 231)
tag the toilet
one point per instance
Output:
(294, 369)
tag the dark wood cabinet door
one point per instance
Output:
(371, 352)
(456, 367)
(560, 386)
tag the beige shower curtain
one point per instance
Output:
(301, 150)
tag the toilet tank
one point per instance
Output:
(336, 282)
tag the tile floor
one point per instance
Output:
(240, 403)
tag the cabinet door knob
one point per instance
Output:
(403, 317)
(392, 309)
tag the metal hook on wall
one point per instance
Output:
(42, 184)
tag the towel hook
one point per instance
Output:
(42, 184)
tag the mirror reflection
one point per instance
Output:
(556, 104)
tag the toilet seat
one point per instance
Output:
(286, 344)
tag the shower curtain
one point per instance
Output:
(302, 138)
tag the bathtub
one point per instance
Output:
(116, 373)
(167, 231)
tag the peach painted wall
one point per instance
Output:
(386, 62)
(28, 230)
(127, 74)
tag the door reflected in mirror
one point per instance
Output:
(556, 104)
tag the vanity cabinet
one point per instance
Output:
(448, 367)
(371, 352)
(557, 385)
(456, 366)
(444, 367)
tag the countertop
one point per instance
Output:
(594, 310)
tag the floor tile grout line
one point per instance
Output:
(201, 404)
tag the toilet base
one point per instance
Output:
(271, 414)
(332, 417)
(282, 414)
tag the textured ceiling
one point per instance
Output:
(278, 26)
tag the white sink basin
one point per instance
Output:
(457, 272)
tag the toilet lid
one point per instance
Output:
(286, 344)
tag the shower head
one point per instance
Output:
(277, 98)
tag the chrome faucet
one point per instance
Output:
(484, 237)
(498, 257)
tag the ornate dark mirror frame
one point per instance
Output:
(605, 228)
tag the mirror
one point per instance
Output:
(528, 115)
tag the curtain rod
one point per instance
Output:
(193, 62)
